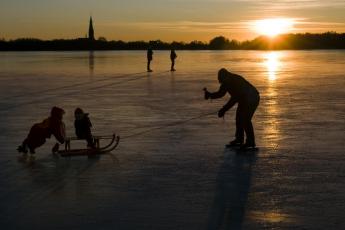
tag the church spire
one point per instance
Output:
(91, 32)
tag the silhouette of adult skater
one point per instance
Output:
(173, 56)
(247, 97)
(149, 58)
(39, 132)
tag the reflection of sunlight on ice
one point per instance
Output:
(271, 216)
(272, 63)
(272, 128)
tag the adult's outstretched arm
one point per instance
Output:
(220, 93)
(230, 103)
(59, 133)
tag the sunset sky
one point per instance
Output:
(168, 20)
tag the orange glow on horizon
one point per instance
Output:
(273, 27)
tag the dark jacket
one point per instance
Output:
(173, 55)
(83, 127)
(149, 54)
(240, 89)
(50, 126)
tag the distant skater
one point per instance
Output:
(149, 59)
(39, 132)
(247, 97)
(173, 56)
(83, 126)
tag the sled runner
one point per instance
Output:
(97, 150)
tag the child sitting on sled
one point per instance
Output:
(83, 126)
(39, 132)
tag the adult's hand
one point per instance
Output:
(207, 94)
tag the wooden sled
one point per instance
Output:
(68, 152)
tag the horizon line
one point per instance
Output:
(152, 40)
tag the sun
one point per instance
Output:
(274, 26)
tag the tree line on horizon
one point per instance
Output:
(306, 41)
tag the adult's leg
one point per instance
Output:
(172, 65)
(35, 139)
(247, 115)
(35, 143)
(248, 127)
(239, 124)
(148, 65)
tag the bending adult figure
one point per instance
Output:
(39, 132)
(247, 97)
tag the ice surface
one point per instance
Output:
(171, 170)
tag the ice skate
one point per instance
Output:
(234, 143)
(22, 149)
(248, 147)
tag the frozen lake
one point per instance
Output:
(171, 170)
